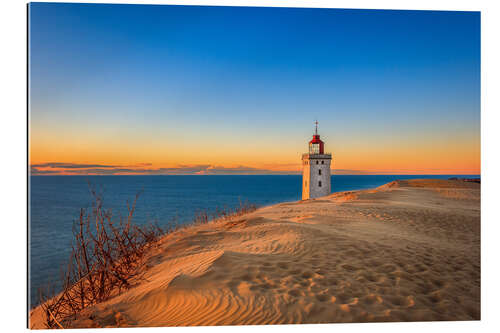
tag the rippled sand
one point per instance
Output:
(406, 251)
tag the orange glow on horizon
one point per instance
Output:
(127, 154)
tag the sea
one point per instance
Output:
(55, 202)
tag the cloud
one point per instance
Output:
(244, 170)
(37, 172)
(349, 172)
(142, 169)
(71, 165)
(181, 170)
(56, 168)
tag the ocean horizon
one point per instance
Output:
(55, 202)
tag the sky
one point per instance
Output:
(158, 89)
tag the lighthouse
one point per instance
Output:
(316, 180)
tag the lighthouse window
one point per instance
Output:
(322, 162)
(319, 172)
(317, 162)
(314, 148)
(319, 184)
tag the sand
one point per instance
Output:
(406, 251)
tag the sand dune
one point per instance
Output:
(406, 251)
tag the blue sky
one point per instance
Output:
(216, 81)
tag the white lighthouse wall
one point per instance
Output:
(316, 191)
(306, 175)
(311, 177)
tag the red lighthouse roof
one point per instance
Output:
(315, 139)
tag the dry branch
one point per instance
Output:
(108, 257)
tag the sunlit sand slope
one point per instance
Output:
(406, 251)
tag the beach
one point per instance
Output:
(406, 251)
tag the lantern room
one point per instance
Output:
(316, 146)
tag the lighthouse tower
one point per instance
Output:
(316, 180)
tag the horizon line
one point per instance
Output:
(263, 174)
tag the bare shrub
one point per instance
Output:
(107, 257)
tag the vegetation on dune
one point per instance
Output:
(108, 257)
